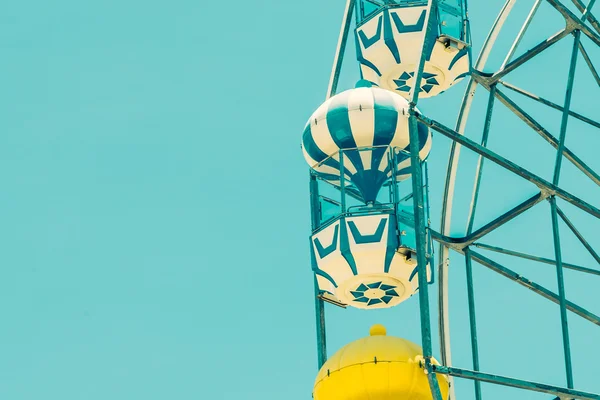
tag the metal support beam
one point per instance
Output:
(539, 289)
(519, 37)
(319, 304)
(565, 115)
(472, 320)
(419, 210)
(530, 54)
(536, 258)
(459, 244)
(561, 294)
(444, 260)
(533, 124)
(549, 103)
(516, 383)
(509, 165)
(593, 21)
(589, 63)
(588, 10)
(578, 234)
(479, 168)
(574, 22)
(340, 49)
(555, 228)
(501, 220)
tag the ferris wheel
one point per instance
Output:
(374, 243)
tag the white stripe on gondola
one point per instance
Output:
(362, 119)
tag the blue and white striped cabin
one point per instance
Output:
(389, 39)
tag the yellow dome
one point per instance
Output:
(377, 367)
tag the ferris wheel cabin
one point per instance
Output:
(389, 39)
(363, 243)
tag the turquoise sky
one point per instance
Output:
(155, 214)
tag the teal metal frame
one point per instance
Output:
(585, 25)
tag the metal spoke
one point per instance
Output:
(525, 117)
(479, 168)
(535, 258)
(561, 294)
(502, 219)
(509, 165)
(341, 47)
(593, 21)
(530, 54)
(555, 228)
(419, 213)
(459, 244)
(515, 44)
(472, 320)
(577, 234)
(535, 287)
(319, 304)
(549, 103)
(589, 63)
(516, 383)
(574, 22)
(588, 10)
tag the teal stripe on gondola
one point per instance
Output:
(311, 147)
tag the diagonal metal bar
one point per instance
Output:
(496, 267)
(565, 115)
(561, 294)
(472, 320)
(555, 228)
(341, 48)
(535, 258)
(593, 21)
(578, 234)
(516, 383)
(443, 303)
(509, 165)
(459, 244)
(589, 63)
(445, 223)
(319, 304)
(549, 103)
(517, 62)
(574, 22)
(418, 208)
(533, 124)
(524, 28)
(535, 287)
(479, 168)
(588, 10)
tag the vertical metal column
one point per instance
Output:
(555, 227)
(341, 47)
(471, 219)
(319, 304)
(472, 320)
(419, 211)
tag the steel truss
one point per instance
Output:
(585, 24)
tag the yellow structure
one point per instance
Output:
(377, 367)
